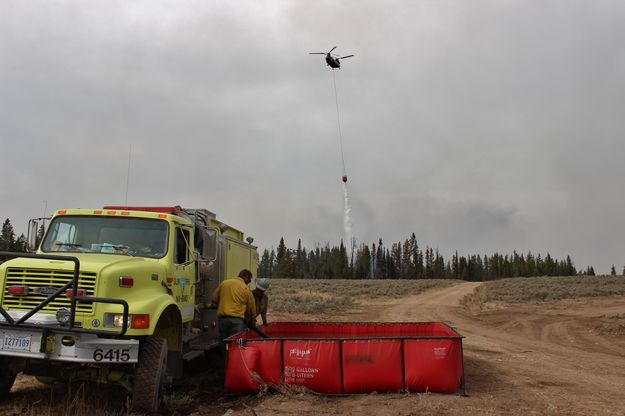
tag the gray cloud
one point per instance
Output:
(481, 126)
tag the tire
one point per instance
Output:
(147, 391)
(6, 380)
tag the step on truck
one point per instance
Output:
(117, 295)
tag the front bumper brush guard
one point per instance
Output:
(22, 321)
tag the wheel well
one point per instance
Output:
(169, 326)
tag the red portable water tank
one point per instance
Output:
(241, 375)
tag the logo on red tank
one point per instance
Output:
(300, 354)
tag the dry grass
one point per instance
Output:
(542, 289)
(74, 399)
(334, 296)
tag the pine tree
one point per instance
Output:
(570, 268)
(463, 268)
(380, 262)
(429, 263)
(326, 263)
(439, 266)
(283, 267)
(21, 245)
(590, 271)
(613, 271)
(531, 264)
(419, 267)
(390, 265)
(396, 259)
(264, 266)
(339, 262)
(362, 265)
(272, 262)
(315, 263)
(550, 265)
(539, 266)
(415, 258)
(7, 237)
(407, 265)
(300, 258)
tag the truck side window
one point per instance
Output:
(62, 237)
(181, 251)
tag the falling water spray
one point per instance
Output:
(348, 225)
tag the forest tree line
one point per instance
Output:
(406, 260)
(402, 260)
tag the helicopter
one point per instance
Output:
(333, 61)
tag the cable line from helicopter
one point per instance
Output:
(338, 120)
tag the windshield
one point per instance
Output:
(109, 235)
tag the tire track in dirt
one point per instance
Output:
(535, 359)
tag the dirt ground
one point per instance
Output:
(521, 360)
(560, 358)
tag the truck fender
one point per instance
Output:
(169, 326)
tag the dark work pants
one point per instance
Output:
(229, 325)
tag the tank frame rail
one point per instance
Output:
(73, 283)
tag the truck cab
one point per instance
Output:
(119, 294)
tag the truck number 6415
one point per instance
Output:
(119, 354)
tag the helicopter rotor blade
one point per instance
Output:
(316, 53)
(332, 49)
(348, 56)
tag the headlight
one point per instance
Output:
(137, 320)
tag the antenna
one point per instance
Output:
(128, 173)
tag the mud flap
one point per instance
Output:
(174, 364)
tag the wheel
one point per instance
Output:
(6, 379)
(149, 379)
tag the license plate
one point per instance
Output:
(16, 342)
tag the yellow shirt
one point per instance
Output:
(235, 299)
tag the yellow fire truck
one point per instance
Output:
(117, 295)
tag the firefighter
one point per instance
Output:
(234, 302)
(261, 299)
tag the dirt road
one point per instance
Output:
(531, 359)
(525, 360)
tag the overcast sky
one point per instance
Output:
(480, 125)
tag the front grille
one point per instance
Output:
(48, 278)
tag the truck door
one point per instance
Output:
(184, 273)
